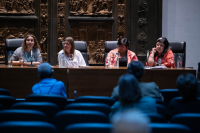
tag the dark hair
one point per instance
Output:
(129, 90)
(187, 85)
(71, 41)
(165, 42)
(36, 45)
(123, 41)
(45, 70)
(136, 68)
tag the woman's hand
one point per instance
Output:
(154, 50)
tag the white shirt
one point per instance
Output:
(77, 61)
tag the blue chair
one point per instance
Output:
(7, 101)
(169, 94)
(59, 100)
(4, 92)
(67, 117)
(27, 127)
(22, 115)
(192, 120)
(95, 99)
(89, 128)
(169, 128)
(156, 118)
(49, 109)
(161, 109)
(104, 108)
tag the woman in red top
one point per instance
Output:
(161, 54)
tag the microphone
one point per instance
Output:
(31, 53)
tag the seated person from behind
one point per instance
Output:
(187, 85)
(24, 52)
(130, 97)
(130, 121)
(161, 54)
(69, 48)
(124, 54)
(150, 89)
(47, 84)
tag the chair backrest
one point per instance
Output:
(4, 92)
(12, 45)
(104, 108)
(49, 109)
(161, 109)
(169, 94)
(95, 99)
(59, 100)
(169, 128)
(82, 47)
(22, 115)
(89, 128)
(27, 127)
(7, 101)
(110, 45)
(156, 118)
(179, 47)
(67, 117)
(190, 120)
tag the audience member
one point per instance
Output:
(148, 89)
(130, 97)
(47, 84)
(130, 121)
(187, 85)
(125, 55)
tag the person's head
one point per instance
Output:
(69, 46)
(129, 90)
(45, 71)
(136, 68)
(130, 121)
(30, 42)
(162, 46)
(187, 85)
(123, 45)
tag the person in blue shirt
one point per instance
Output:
(47, 84)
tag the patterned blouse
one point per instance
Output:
(166, 59)
(110, 61)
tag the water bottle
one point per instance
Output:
(62, 61)
(117, 61)
(179, 61)
(10, 60)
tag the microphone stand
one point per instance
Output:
(31, 60)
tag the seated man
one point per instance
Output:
(47, 84)
(187, 85)
(130, 121)
(148, 89)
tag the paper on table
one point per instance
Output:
(158, 67)
(84, 66)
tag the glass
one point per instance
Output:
(147, 58)
(71, 58)
(21, 60)
(179, 61)
(172, 61)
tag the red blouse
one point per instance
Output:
(166, 59)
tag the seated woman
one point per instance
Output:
(69, 48)
(29, 51)
(124, 54)
(161, 54)
(130, 97)
(187, 85)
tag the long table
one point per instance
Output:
(98, 81)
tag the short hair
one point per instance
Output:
(136, 68)
(130, 121)
(165, 42)
(129, 90)
(123, 41)
(45, 70)
(187, 85)
(71, 41)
